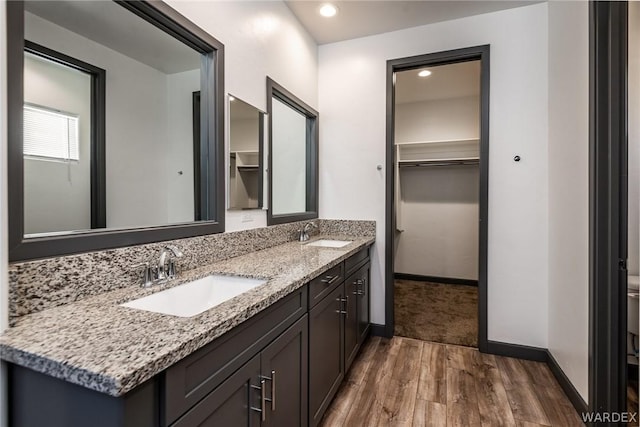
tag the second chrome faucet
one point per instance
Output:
(165, 269)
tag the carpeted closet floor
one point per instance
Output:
(437, 312)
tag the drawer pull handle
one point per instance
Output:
(273, 390)
(263, 398)
(342, 309)
(330, 279)
(272, 378)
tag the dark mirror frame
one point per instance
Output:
(274, 90)
(212, 185)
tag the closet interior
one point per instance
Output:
(437, 128)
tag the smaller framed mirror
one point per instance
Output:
(246, 142)
(293, 157)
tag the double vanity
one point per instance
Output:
(130, 301)
(274, 354)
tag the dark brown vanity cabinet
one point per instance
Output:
(269, 390)
(284, 370)
(235, 402)
(326, 349)
(338, 324)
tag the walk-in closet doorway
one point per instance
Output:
(436, 197)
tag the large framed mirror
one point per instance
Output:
(103, 147)
(246, 141)
(293, 157)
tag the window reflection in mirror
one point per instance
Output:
(245, 155)
(293, 148)
(150, 76)
(57, 135)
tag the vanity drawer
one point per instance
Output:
(354, 261)
(324, 283)
(191, 379)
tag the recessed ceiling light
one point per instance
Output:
(231, 98)
(328, 10)
(424, 73)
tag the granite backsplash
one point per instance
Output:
(40, 284)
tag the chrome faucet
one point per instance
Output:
(166, 268)
(304, 232)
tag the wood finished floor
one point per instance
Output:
(406, 382)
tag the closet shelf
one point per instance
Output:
(247, 167)
(439, 162)
(440, 141)
(438, 153)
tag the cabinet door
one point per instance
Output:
(363, 302)
(233, 403)
(284, 366)
(326, 361)
(351, 318)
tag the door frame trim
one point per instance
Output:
(432, 59)
(607, 205)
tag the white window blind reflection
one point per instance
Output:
(50, 134)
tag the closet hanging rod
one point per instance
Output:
(425, 163)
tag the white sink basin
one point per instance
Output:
(195, 297)
(324, 243)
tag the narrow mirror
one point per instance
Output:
(245, 155)
(293, 157)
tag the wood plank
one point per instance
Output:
(462, 402)
(368, 405)
(520, 423)
(558, 412)
(429, 414)
(526, 406)
(341, 405)
(556, 394)
(514, 374)
(462, 358)
(432, 385)
(400, 397)
(358, 372)
(493, 403)
(539, 373)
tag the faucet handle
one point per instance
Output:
(171, 269)
(147, 274)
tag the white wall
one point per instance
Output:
(440, 222)
(438, 205)
(352, 143)
(568, 254)
(438, 120)
(180, 88)
(261, 38)
(57, 194)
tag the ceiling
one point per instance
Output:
(446, 81)
(364, 18)
(113, 26)
(240, 110)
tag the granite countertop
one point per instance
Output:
(97, 344)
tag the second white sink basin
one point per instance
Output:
(195, 297)
(324, 243)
